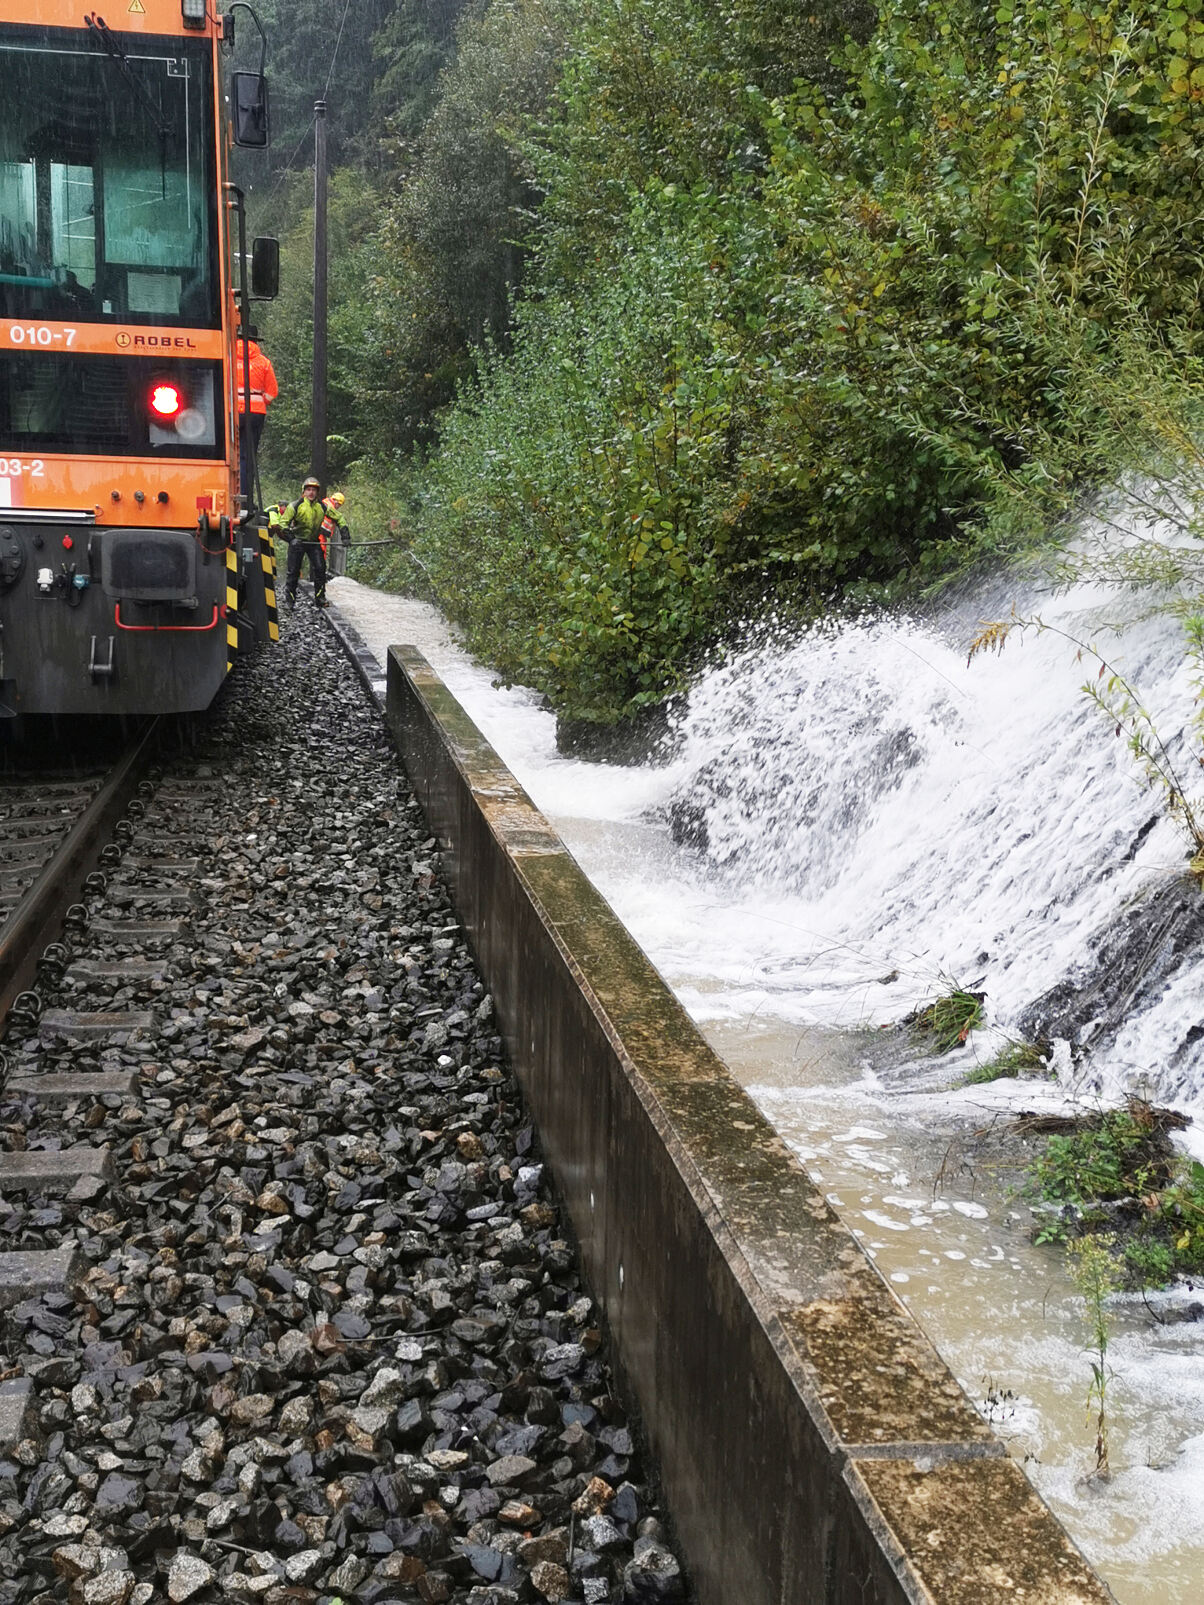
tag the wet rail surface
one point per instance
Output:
(55, 826)
(289, 1313)
(36, 813)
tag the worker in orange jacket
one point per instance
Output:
(264, 391)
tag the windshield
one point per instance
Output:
(107, 184)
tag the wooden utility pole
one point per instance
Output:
(318, 450)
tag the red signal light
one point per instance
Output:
(165, 401)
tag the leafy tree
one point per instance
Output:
(412, 47)
(449, 249)
(287, 332)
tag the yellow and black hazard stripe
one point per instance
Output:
(231, 606)
(267, 561)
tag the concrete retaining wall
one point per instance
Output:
(813, 1446)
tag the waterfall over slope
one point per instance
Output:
(937, 823)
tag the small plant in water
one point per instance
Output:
(1094, 1164)
(1015, 1059)
(950, 1019)
(1094, 1270)
(998, 1404)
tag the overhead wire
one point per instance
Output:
(284, 171)
(334, 56)
(337, 43)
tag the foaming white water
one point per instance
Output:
(933, 822)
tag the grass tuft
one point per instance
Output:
(949, 1020)
(1016, 1059)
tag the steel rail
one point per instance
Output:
(40, 912)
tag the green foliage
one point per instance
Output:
(1180, 1208)
(867, 293)
(670, 95)
(447, 256)
(1095, 1163)
(1016, 1059)
(372, 509)
(412, 47)
(1119, 1167)
(949, 1020)
(591, 524)
(1147, 1262)
(398, 337)
(665, 310)
(1093, 1267)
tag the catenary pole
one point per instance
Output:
(318, 450)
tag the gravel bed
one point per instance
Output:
(330, 1341)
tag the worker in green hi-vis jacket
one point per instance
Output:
(306, 525)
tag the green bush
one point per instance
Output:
(1120, 1167)
(1093, 1165)
(801, 340)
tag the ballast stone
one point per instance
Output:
(510, 1470)
(187, 1575)
(109, 1588)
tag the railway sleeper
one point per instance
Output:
(32, 1273)
(62, 805)
(56, 1170)
(161, 840)
(169, 796)
(136, 931)
(30, 849)
(80, 972)
(66, 1088)
(162, 864)
(79, 1026)
(142, 899)
(16, 1411)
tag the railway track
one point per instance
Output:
(53, 830)
(35, 816)
(288, 1313)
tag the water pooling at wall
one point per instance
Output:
(872, 821)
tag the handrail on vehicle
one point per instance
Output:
(167, 628)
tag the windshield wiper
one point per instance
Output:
(110, 44)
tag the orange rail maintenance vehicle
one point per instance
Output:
(133, 567)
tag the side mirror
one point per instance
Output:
(249, 104)
(265, 269)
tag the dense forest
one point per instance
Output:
(645, 318)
